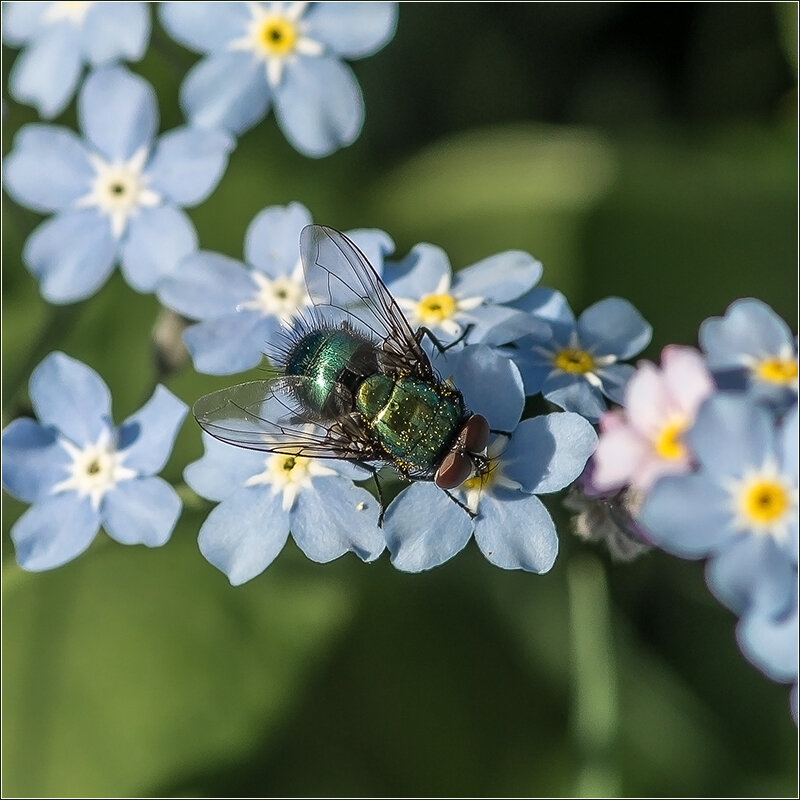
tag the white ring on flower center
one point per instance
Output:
(281, 297)
(95, 469)
(288, 474)
(438, 309)
(119, 190)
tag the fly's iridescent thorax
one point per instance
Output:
(331, 363)
(415, 421)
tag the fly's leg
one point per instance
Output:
(472, 514)
(442, 348)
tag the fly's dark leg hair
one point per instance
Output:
(466, 508)
(442, 348)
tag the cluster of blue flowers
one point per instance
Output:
(701, 458)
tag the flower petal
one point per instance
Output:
(574, 393)
(548, 452)
(206, 285)
(116, 32)
(614, 327)
(419, 273)
(71, 397)
(424, 528)
(771, 644)
(272, 241)
(515, 531)
(319, 106)
(156, 241)
(352, 30)
(499, 278)
(687, 515)
(187, 164)
(229, 344)
(335, 518)
(688, 378)
(731, 434)
(244, 534)
(147, 437)
(620, 456)
(749, 328)
(21, 21)
(118, 112)
(54, 531)
(227, 91)
(552, 307)
(71, 254)
(33, 460)
(48, 168)
(46, 73)
(204, 27)
(141, 511)
(614, 381)
(223, 469)
(787, 443)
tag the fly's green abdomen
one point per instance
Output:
(414, 421)
(332, 363)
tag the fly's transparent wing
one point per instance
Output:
(262, 415)
(341, 281)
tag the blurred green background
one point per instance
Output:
(641, 150)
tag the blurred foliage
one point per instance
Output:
(647, 151)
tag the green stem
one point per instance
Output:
(594, 681)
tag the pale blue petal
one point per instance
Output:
(352, 30)
(204, 27)
(548, 452)
(424, 528)
(421, 272)
(614, 327)
(319, 106)
(223, 469)
(752, 573)
(244, 534)
(33, 461)
(749, 328)
(46, 73)
(156, 241)
(499, 278)
(141, 511)
(731, 434)
(147, 437)
(533, 366)
(374, 244)
(21, 21)
(552, 307)
(498, 325)
(206, 285)
(688, 516)
(515, 531)
(54, 531)
(116, 32)
(71, 255)
(48, 168)
(272, 241)
(229, 344)
(771, 644)
(118, 112)
(614, 379)
(187, 164)
(336, 518)
(787, 444)
(227, 91)
(574, 393)
(491, 386)
(71, 397)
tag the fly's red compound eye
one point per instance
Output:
(454, 470)
(476, 434)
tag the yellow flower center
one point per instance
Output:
(669, 443)
(764, 502)
(434, 308)
(277, 36)
(777, 370)
(572, 360)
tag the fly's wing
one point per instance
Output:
(342, 282)
(262, 415)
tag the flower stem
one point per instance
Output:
(594, 701)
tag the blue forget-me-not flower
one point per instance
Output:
(431, 296)
(60, 38)
(242, 308)
(511, 526)
(575, 363)
(263, 496)
(116, 194)
(283, 54)
(80, 472)
(752, 346)
(740, 508)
